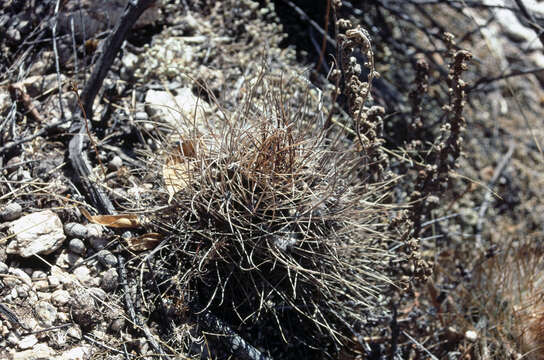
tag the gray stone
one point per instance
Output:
(75, 230)
(46, 313)
(106, 258)
(38, 233)
(117, 325)
(110, 280)
(95, 236)
(11, 212)
(3, 268)
(77, 246)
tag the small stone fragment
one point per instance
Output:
(74, 332)
(21, 275)
(83, 274)
(77, 353)
(11, 212)
(3, 268)
(60, 297)
(106, 258)
(115, 163)
(117, 325)
(39, 351)
(177, 110)
(77, 246)
(95, 236)
(27, 342)
(37, 233)
(75, 230)
(46, 313)
(110, 280)
(471, 335)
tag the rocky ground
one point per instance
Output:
(61, 293)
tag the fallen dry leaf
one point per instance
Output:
(144, 242)
(122, 221)
(176, 171)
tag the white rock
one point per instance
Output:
(177, 111)
(471, 335)
(74, 332)
(83, 274)
(13, 339)
(43, 295)
(67, 259)
(60, 297)
(77, 353)
(59, 277)
(5, 99)
(37, 233)
(41, 285)
(20, 275)
(46, 313)
(38, 275)
(38, 352)
(27, 342)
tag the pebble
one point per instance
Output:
(75, 230)
(46, 313)
(67, 259)
(22, 291)
(39, 351)
(95, 238)
(3, 268)
(77, 353)
(77, 246)
(27, 342)
(83, 274)
(110, 280)
(38, 275)
(41, 285)
(141, 116)
(11, 212)
(54, 281)
(74, 332)
(117, 325)
(115, 163)
(21, 275)
(471, 335)
(13, 339)
(60, 297)
(14, 35)
(36, 233)
(106, 258)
